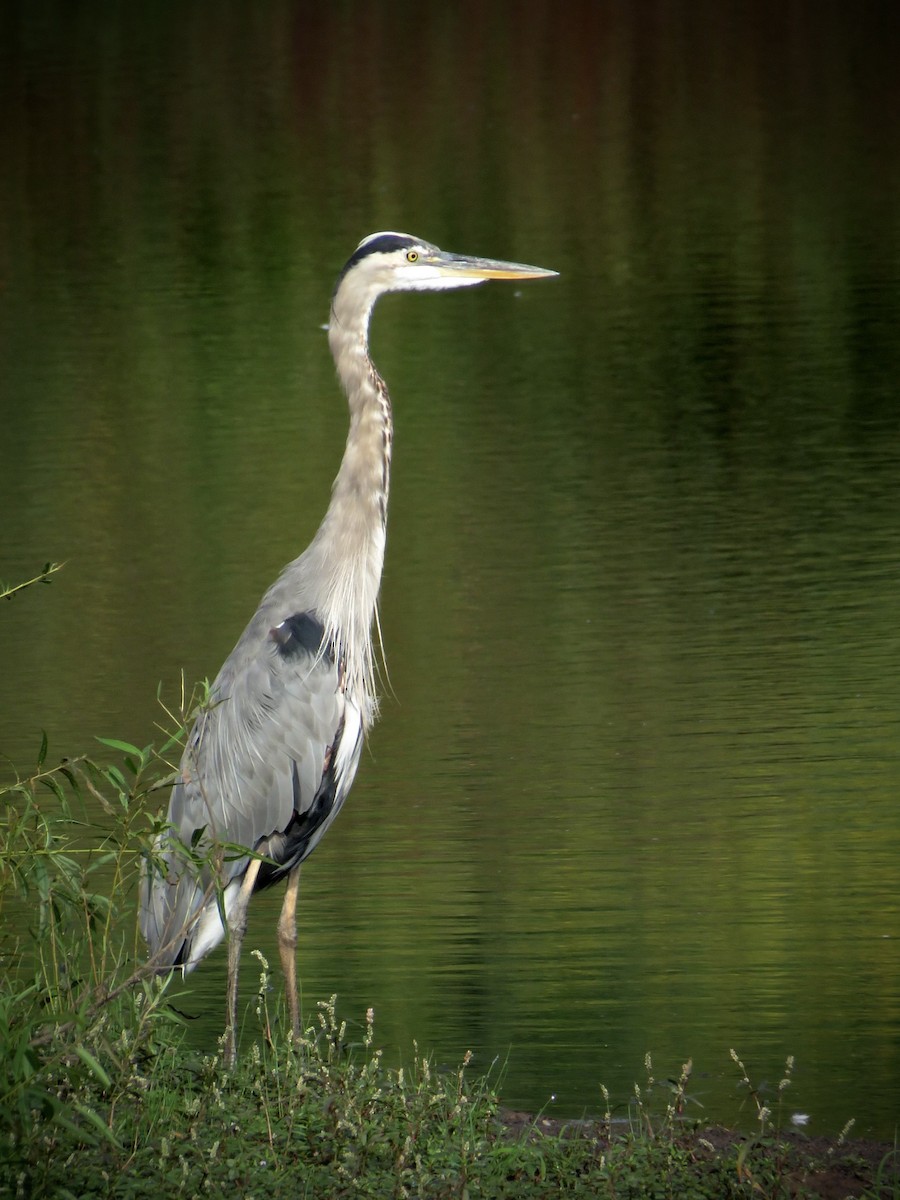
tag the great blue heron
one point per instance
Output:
(271, 758)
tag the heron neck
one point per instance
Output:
(351, 538)
(364, 476)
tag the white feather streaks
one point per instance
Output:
(349, 547)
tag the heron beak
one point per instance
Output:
(461, 266)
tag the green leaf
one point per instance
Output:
(115, 744)
(82, 1136)
(42, 753)
(94, 1066)
(176, 739)
(70, 775)
(115, 776)
(53, 784)
(24, 1062)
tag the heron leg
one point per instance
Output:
(237, 925)
(287, 948)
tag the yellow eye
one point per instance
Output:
(412, 255)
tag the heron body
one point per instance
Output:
(270, 759)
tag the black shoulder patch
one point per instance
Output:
(301, 633)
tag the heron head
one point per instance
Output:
(399, 262)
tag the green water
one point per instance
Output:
(635, 784)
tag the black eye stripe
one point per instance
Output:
(386, 244)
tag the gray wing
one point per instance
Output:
(267, 766)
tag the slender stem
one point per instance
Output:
(7, 590)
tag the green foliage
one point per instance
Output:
(74, 1007)
(77, 1004)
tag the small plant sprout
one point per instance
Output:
(262, 1004)
(762, 1112)
(676, 1105)
(788, 1072)
(607, 1111)
(845, 1132)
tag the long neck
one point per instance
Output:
(350, 541)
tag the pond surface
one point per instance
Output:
(635, 786)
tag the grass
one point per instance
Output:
(327, 1118)
(101, 1097)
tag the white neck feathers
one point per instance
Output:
(351, 539)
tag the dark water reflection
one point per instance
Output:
(636, 782)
